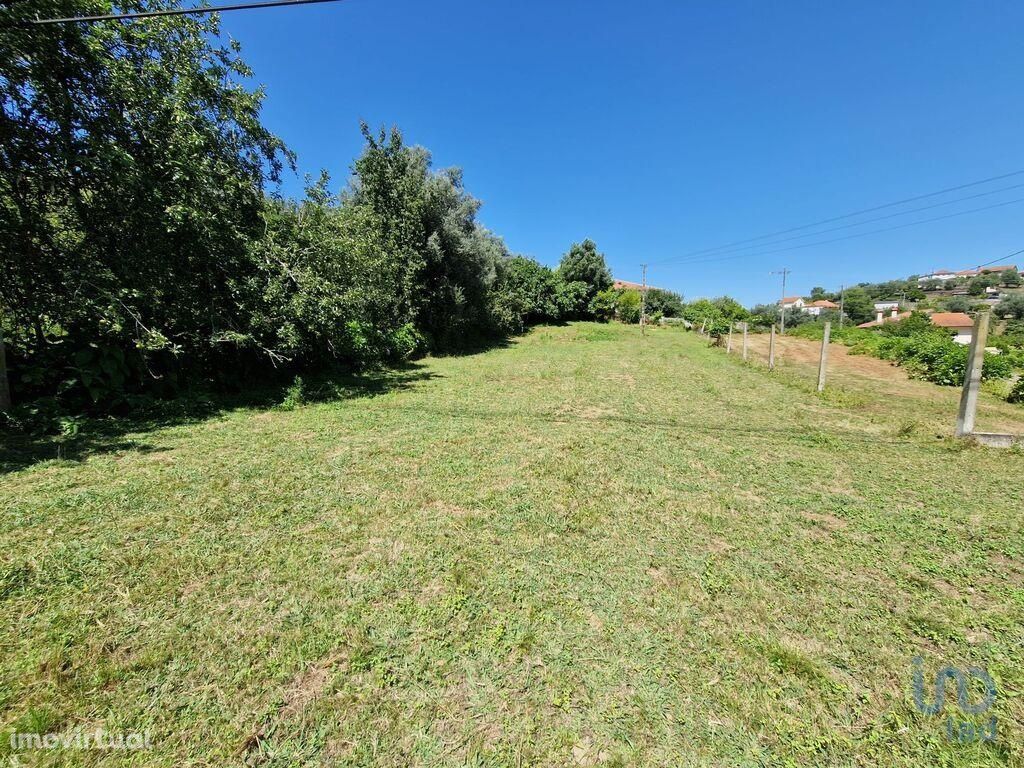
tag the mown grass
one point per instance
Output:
(585, 548)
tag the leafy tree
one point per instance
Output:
(665, 303)
(524, 293)
(858, 305)
(604, 304)
(729, 308)
(1011, 278)
(583, 263)
(818, 293)
(976, 285)
(958, 304)
(132, 162)
(1013, 306)
(628, 305)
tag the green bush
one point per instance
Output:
(1017, 393)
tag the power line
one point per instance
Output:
(846, 215)
(855, 235)
(1001, 258)
(865, 221)
(174, 12)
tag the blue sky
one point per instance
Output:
(662, 128)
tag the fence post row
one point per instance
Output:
(771, 349)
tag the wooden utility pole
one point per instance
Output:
(643, 300)
(782, 304)
(5, 387)
(746, 325)
(972, 378)
(771, 349)
(823, 362)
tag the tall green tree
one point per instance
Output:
(132, 165)
(585, 265)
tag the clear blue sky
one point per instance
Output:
(661, 128)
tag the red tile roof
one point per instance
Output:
(823, 303)
(790, 299)
(952, 320)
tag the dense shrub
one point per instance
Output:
(1017, 393)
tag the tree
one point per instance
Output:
(1013, 306)
(132, 164)
(604, 304)
(524, 293)
(818, 293)
(1011, 278)
(729, 308)
(666, 303)
(628, 306)
(976, 285)
(583, 263)
(958, 304)
(858, 306)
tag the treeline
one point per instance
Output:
(141, 253)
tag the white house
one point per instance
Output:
(961, 326)
(885, 306)
(815, 307)
(939, 274)
(791, 302)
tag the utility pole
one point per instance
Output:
(972, 378)
(842, 299)
(782, 305)
(643, 301)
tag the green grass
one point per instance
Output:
(585, 548)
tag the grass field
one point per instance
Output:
(584, 548)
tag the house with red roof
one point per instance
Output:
(960, 325)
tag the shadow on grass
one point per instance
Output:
(107, 434)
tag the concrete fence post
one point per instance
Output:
(5, 387)
(823, 361)
(745, 327)
(972, 378)
(703, 325)
(728, 343)
(771, 349)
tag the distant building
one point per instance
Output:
(945, 274)
(938, 274)
(960, 325)
(791, 302)
(881, 318)
(885, 306)
(622, 285)
(815, 307)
